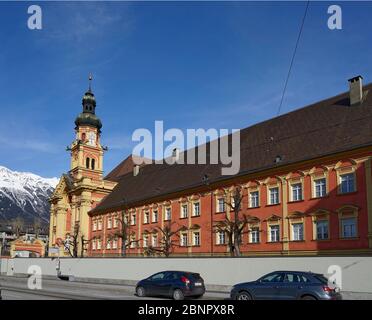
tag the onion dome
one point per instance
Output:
(88, 116)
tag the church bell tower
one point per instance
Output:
(86, 149)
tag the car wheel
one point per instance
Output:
(244, 295)
(308, 297)
(178, 295)
(141, 292)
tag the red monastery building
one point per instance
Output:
(305, 179)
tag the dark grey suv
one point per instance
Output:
(287, 285)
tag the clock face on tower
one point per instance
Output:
(92, 139)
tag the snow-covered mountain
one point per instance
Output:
(24, 194)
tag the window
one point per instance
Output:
(116, 222)
(158, 276)
(221, 237)
(115, 243)
(99, 244)
(184, 240)
(133, 242)
(297, 192)
(184, 211)
(347, 183)
(297, 231)
(133, 220)
(320, 188)
(108, 244)
(168, 214)
(93, 163)
(253, 199)
(146, 217)
(272, 277)
(274, 195)
(99, 224)
(155, 216)
(196, 209)
(348, 227)
(94, 244)
(255, 235)
(109, 223)
(221, 205)
(196, 239)
(322, 229)
(274, 233)
(145, 241)
(154, 240)
(94, 225)
(87, 160)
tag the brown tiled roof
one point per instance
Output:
(121, 169)
(320, 129)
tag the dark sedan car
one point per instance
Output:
(174, 284)
(286, 285)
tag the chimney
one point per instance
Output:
(176, 155)
(356, 90)
(136, 170)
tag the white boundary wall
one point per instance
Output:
(356, 271)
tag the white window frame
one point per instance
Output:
(184, 236)
(155, 216)
(295, 235)
(278, 195)
(254, 234)
(145, 241)
(196, 213)
(341, 177)
(195, 237)
(221, 205)
(95, 225)
(133, 219)
(183, 213)
(322, 189)
(109, 222)
(297, 191)
(277, 233)
(355, 229)
(253, 204)
(317, 224)
(146, 217)
(221, 237)
(154, 240)
(167, 213)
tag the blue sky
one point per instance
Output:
(193, 65)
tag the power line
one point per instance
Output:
(293, 56)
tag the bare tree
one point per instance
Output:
(124, 233)
(167, 242)
(84, 242)
(18, 225)
(234, 227)
(71, 243)
(37, 227)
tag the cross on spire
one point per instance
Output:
(90, 81)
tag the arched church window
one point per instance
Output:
(83, 136)
(87, 163)
(93, 163)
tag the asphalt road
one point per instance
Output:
(14, 288)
